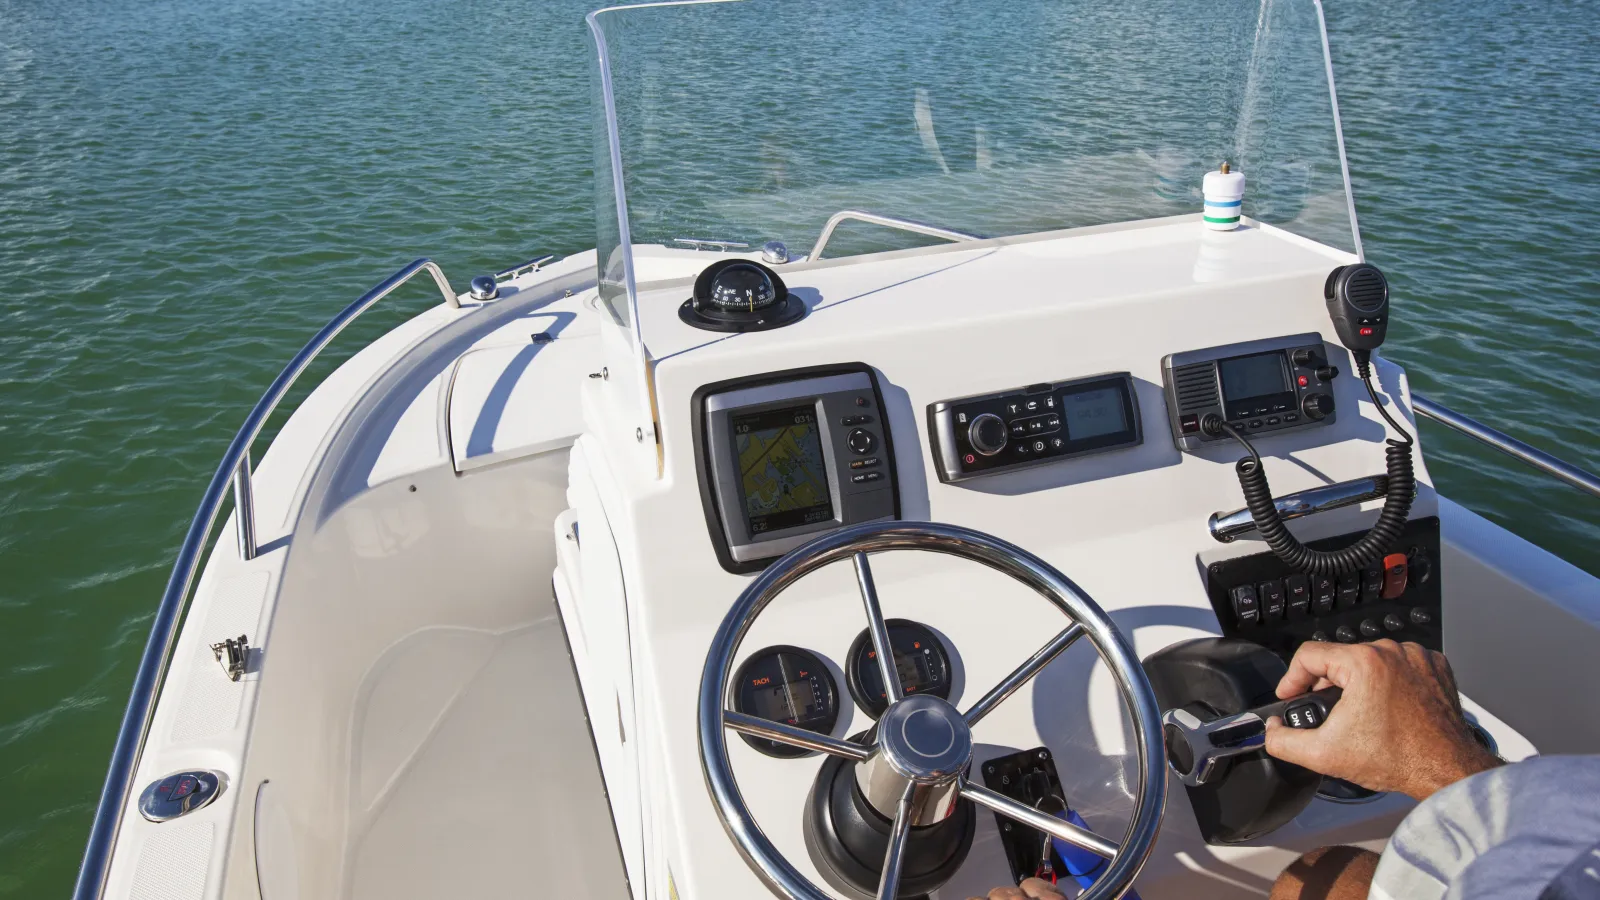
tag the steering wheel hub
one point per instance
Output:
(925, 739)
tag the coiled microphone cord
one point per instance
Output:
(1372, 545)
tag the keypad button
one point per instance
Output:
(862, 477)
(1297, 590)
(1270, 593)
(867, 463)
(1349, 591)
(1302, 715)
(1323, 594)
(1272, 420)
(1255, 423)
(1246, 607)
(1371, 583)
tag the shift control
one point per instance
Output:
(1196, 747)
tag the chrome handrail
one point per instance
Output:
(1505, 443)
(234, 469)
(532, 265)
(845, 215)
(704, 243)
(1227, 527)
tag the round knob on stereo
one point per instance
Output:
(987, 434)
(1346, 634)
(1316, 406)
(1420, 616)
(1370, 628)
(1393, 622)
(1303, 356)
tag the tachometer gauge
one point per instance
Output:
(920, 659)
(789, 685)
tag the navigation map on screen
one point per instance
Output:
(781, 470)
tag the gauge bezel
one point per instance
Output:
(857, 660)
(825, 682)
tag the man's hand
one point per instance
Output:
(1030, 889)
(1398, 727)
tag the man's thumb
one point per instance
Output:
(1293, 745)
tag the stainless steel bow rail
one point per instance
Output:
(234, 469)
(1505, 443)
(844, 215)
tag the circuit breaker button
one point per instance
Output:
(1246, 606)
(1270, 594)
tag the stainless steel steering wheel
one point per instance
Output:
(923, 747)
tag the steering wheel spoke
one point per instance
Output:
(1039, 821)
(879, 631)
(894, 858)
(794, 737)
(1023, 673)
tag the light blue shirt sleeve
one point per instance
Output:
(1506, 834)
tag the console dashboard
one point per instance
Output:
(786, 456)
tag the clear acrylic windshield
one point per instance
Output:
(757, 120)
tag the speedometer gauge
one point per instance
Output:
(789, 685)
(920, 660)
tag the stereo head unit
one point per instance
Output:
(1266, 386)
(1001, 432)
(785, 456)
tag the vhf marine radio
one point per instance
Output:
(1243, 390)
(1259, 387)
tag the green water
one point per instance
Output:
(188, 190)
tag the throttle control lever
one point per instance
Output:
(1194, 747)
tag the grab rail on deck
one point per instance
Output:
(235, 468)
(1505, 443)
(845, 215)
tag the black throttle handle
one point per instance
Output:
(1195, 747)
